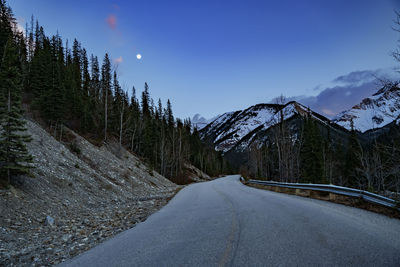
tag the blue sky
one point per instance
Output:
(210, 57)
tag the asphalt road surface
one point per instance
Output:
(224, 223)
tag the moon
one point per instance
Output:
(138, 56)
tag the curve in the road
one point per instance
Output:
(224, 223)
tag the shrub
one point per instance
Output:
(75, 148)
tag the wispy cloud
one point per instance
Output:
(346, 91)
(357, 77)
(112, 21)
(118, 60)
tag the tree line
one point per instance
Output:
(303, 149)
(62, 86)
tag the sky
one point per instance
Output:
(215, 56)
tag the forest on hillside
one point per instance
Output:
(304, 149)
(58, 84)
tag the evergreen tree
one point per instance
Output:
(352, 163)
(311, 153)
(169, 115)
(6, 20)
(118, 103)
(87, 102)
(94, 90)
(56, 94)
(146, 102)
(106, 90)
(14, 156)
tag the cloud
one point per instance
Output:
(333, 100)
(346, 91)
(357, 77)
(328, 112)
(115, 6)
(112, 21)
(118, 60)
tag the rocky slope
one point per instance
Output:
(373, 112)
(91, 193)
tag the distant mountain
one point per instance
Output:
(200, 122)
(237, 130)
(373, 112)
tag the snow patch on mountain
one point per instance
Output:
(374, 112)
(232, 128)
(247, 121)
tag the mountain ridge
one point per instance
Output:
(373, 112)
(238, 129)
(231, 128)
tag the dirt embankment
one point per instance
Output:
(91, 192)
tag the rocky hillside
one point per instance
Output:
(373, 112)
(80, 195)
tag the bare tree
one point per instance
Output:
(396, 52)
(285, 142)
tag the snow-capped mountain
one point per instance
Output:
(200, 122)
(235, 133)
(374, 112)
(241, 127)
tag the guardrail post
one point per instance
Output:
(298, 192)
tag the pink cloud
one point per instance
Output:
(115, 6)
(118, 60)
(328, 112)
(112, 21)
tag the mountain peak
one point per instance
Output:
(376, 111)
(232, 127)
(200, 122)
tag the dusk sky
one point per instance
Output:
(210, 57)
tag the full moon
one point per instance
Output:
(138, 56)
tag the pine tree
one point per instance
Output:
(14, 156)
(55, 101)
(87, 100)
(169, 115)
(311, 153)
(5, 26)
(352, 159)
(115, 113)
(146, 102)
(106, 90)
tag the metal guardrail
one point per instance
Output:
(340, 190)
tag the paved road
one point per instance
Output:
(224, 223)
